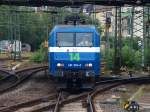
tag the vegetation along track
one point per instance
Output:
(13, 79)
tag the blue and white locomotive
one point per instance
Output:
(74, 52)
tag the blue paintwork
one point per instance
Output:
(63, 57)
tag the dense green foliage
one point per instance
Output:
(147, 56)
(131, 55)
(127, 56)
(110, 58)
(34, 25)
(40, 55)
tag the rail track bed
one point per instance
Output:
(112, 100)
(92, 103)
(13, 79)
(30, 105)
(4, 73)
(38, 93)
(106, 101)
(30, 89)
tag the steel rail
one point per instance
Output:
(90, 106)
(30, 68)
(125, 80)
(93, 94)
(28, 103)
(7, 74)
(19, 78)
(57, 106)
(5, 71)
(114, 83)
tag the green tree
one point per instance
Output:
(127, 56)
(137, 59)
(147, 57)
(110, 59)
(41, 55)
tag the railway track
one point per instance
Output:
(4, 74)
(36, 105)
(86, 97)
(134, 80)
(30, 105)
(56, 109)
(56, 101)
(12, 80)
(118, 82)
(53, 103)
(4, 71)
(89, 96)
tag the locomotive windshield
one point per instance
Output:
(74, 39)
(65, 39)
(84, 39)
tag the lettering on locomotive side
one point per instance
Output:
(74, 65)
(74, 56)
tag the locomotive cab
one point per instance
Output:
(74, 53)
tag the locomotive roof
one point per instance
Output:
(57, 27)
(74, 28)
(60, 26)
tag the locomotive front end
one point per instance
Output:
(74, 53)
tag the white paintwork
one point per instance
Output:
(75, 49)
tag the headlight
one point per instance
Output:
(60, 64)
(88, 65)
